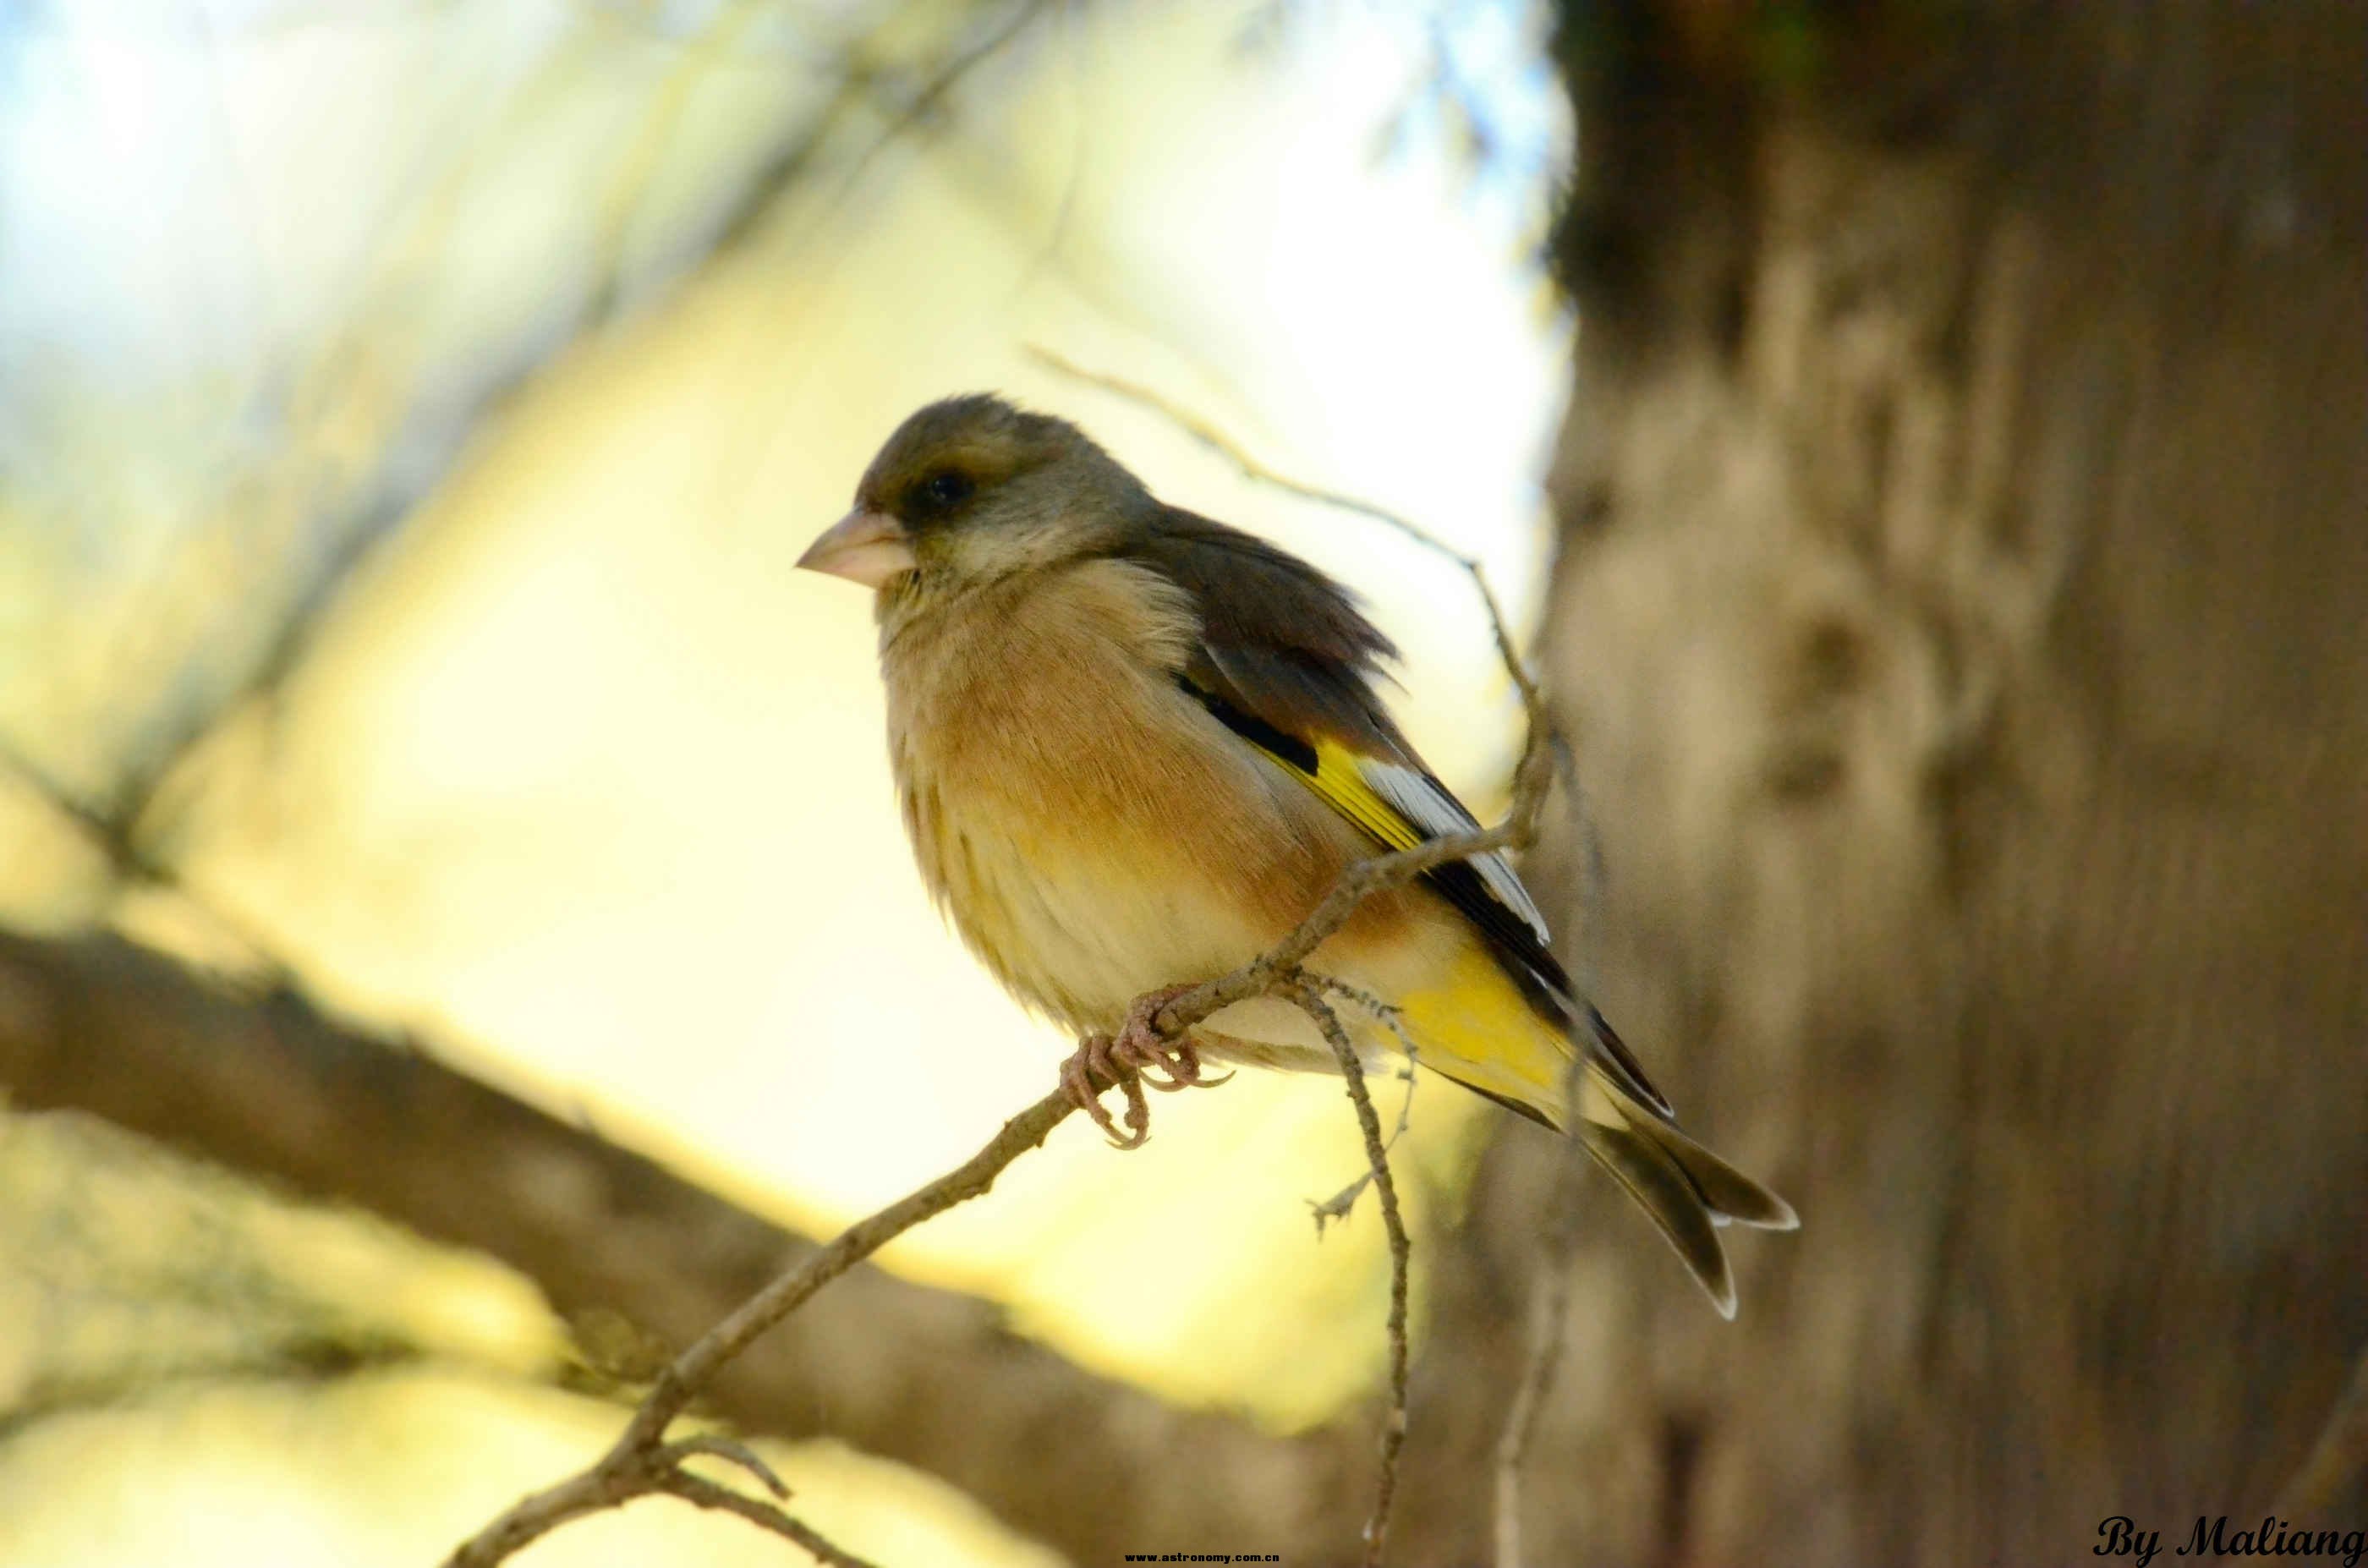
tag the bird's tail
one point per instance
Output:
(1687, 1192)
(1493, 1039)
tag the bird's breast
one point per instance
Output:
(1089, 831)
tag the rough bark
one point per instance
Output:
(1962, 617)
(266, 1086)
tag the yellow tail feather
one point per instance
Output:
(1480, 1032)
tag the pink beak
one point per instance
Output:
(862, 547)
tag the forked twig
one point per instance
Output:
(1308, 995)
(1338, 1206)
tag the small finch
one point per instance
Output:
(1135, 748)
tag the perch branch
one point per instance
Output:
(1309, 995)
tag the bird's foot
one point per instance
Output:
(1136, 1055)
(1166, 1065)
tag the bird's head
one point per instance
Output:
(971, 490)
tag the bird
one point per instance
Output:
(1134, 747)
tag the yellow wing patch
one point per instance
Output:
(1339, 779)
(1401, 807)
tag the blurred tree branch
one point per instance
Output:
(308, 1359)
(869, 73)
(264, 1083)
(1549, 1311)
(341, 477)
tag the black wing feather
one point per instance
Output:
(1286, 653)
(1278, 639)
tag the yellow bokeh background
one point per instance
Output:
(584, 787)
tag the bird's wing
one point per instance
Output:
(1286, 661)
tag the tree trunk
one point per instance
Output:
(1963, 622)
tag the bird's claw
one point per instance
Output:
(1094, 1067)
(1136, 1055)
(1166, 1065)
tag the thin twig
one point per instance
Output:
(1275, 968)
(864, 81)
(1546, 748)
(864, 78)
(1234, 452)
(636, 172)
(1549, 1323)
(641, 1461)
(2339, 1456)
(1310, 999)
(1549, 1304)
(1549, 1320)
(941, 82)
(707, 1494)
(119, 837)
(1338, 1206)
(714, 1445)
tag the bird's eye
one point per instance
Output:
(944, 489)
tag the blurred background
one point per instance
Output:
(455, 934)
(411, 416)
